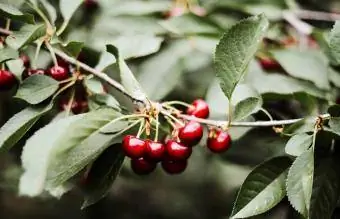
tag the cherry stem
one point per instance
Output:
(267, 114)
(8, 24)
(70, 102)
(175, 102)
(36, 55)
(157, 127)
(141, 128)
(166, 113)
(53, 56)
(64, 88)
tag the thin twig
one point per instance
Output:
(316, 15)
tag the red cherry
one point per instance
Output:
(177, 151)
(90, 4)
(142, 166)
(154, 151)
(59, 73)
(31, 72)
(269, 64)
(7, 80)
(191, 134)
(77, 107)
(133, 146)
(174, 167)
(219, 142)
(26, 60)
(199, 109)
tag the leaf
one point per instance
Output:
(67, 8)
(236, 49)
(306, 65)
(334, 124)
(103, 173)
(334, 42)
(37, 154)
(134, 7)
(97, 101)
(94, 85)
(326, 189)
(300, 181)
(27, 34)
(263, 188)
(189, 24)
(17, 126)
(16, 66)
(246, 100)
(128, 79)
(106, 60)
(73, 48)
(8, 53)
(298, 144)
(334, 77)
(37, 88)
(11, 12)
(166, 78)
(51, 11)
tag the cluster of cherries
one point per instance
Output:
(58, 72)
(174, 153)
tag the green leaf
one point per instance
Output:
(189, 24)
(94, 85)
(300, 181)
(99, 100)
(37, 88)
(51, 11)
(73, 48)
(334, 42)
(306, 65)
(8, 53)
(334, 77)
(263, 188)
(334, 124)
(128, 79)
(236, 49)
(17, 126)
(27, 34)
(67, 8)
(134, 7)
(11, 12)
(166, 78)
(326, 189)
(298, 144)
(103, 173)
(247, 101)
(16, 67)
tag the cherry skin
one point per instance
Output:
(7, 80)
(26, 60)
(77, 107)
(59, 73)
(269, 64)
(31, 72)
(177, 151)
(154, 151)
(199, 109)
(219, 142)
(174, 167)
(133, 146)
(191, 134)
(142, 166)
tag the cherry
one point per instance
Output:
(141, 166)
(219, 141)
(7, 80)
(191, 134)
(269, 64)
(177, 151)
(77, 107)
(31, 72)
(26, 60)
(174, 167)
(154, 151)
(58, 72)
(91, 4)
(199, 109)
(133, 146)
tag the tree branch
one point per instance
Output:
(316, 15)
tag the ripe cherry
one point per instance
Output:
(177, 151)
(141, 166)
(58, 72)
(269, 64)
(26, 60)
(219, 141)
(199, 109)
(77, 107)
(154, 151)
(7, 80)
(174, 167)
(30, 72)
(91, 4)
(133, 146)
(191, 134)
